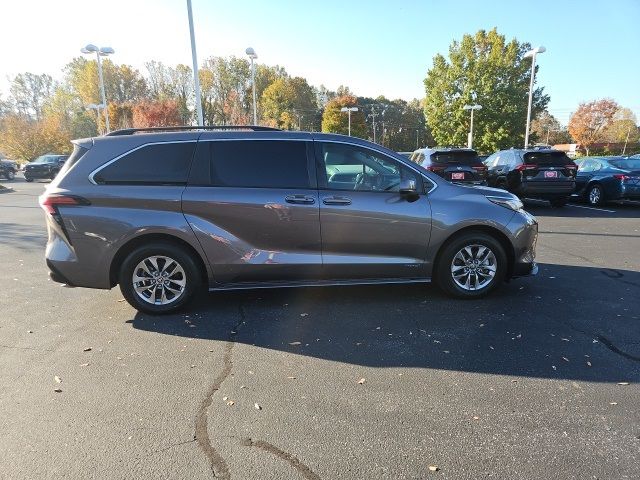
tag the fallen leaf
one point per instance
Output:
(476, 418)
(224, 399)
(623, 383)
(304, 314)
(491, 347)
(565, 359)
(84, 364)
(445, 351)
(433, 468)
(122, 300)
(361, 381)
(291, 378)
(257, 407)
(57, 379)
(588, 364)
(29, 331)
(565, 339)
(554, 367)
(295, 343)
(57, 390)
(86, 349)
(230, 402)
(613, 403)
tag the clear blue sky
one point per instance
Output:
(373, 46)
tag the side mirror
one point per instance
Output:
(408, 187)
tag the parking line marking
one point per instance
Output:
(591, 208)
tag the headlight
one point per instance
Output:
(513, 203)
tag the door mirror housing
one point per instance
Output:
(408, 187)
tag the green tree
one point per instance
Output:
(624, 127)
(288, 103)
(29, 92)
(487, 70)
(336, 121)
(224, 83)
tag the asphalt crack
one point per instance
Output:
(604, 341)
(218, 465)
(302, 469)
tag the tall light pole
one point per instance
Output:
(93, 106)
(349, 110)
(100, 52)
(251, 53)
(532, 54)
(194, 59)
(472, 108)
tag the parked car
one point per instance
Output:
(45, 166)
(538, 173)
(602, 179)
(160, 214)
(8, 169)
(460, 165)
(406, 154)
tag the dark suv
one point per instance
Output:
(8, 168)
(544, 174)
(160, 214)
(460, 165)
(45, 166)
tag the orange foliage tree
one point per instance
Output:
(158, 113)
(588, 124)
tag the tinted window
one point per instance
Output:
(161, 164)
(260, 164)
(349, 167)
(546, 158)
(626, 164)
(457, 157)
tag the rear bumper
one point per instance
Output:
(545, 189)
(56, 276)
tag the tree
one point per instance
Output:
(224, 83)
(623, 128)
(545, 128)
(156, 113)
(173, 83)
(288, 102)
(487, 70)
(24, 139)
(588, 123)
(29, 92)
(336, 121)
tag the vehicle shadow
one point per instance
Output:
(575, 209)
(25, 237)
(557, 325)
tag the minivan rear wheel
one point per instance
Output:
(471, 266)
(158, 278)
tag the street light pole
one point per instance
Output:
(252, 55)
(349, 110)
(100, 52)
(194, 59)
(472, 108)
(532, 54)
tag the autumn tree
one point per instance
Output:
(623, 128)
(24, 139)
(173, 83)
(486, 69)
(546, 128)
(29, 92)
(156, 113)
(336, 121)
(224, 83)
(287, 103)
(589, 122)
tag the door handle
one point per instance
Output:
(336, 201)
(300, 199)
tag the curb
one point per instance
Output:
(4, 189)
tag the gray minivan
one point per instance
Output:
(164, 212)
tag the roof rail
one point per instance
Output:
(131, 131)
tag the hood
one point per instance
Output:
(482, 190)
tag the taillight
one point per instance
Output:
(50, 203)
(526, 166)
(480, 168)
(621, 177)
(431, 168)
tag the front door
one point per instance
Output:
(256, 214)
(369, 229)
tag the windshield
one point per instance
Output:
(626, 163)
(47, 159)
(461, 157)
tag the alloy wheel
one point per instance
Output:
(159, 280)
(474, 267)
(595, 195)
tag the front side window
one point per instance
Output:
(348, 167)
(259, 164)
(159, 164)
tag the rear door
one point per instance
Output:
(584, 174)
(369, 229)
(253, 205)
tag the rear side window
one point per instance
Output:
(555, 159)
(461, 157)
(259, 164)
(159, 164)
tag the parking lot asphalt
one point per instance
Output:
(540, 380)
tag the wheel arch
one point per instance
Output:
(498, 235)
(136, 242)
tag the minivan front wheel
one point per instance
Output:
(158, 278)
(471, 266)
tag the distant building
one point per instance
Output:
(569, 148)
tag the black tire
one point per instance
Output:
(10, 175)
(184, 260)
(558, 202)
(28, 179)
(444, 276)
(595, 195)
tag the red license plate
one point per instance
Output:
(550, 174)
(457, 176)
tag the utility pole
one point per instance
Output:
(627, 139)
(194, 60)
(417, 144)
(373, 117)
